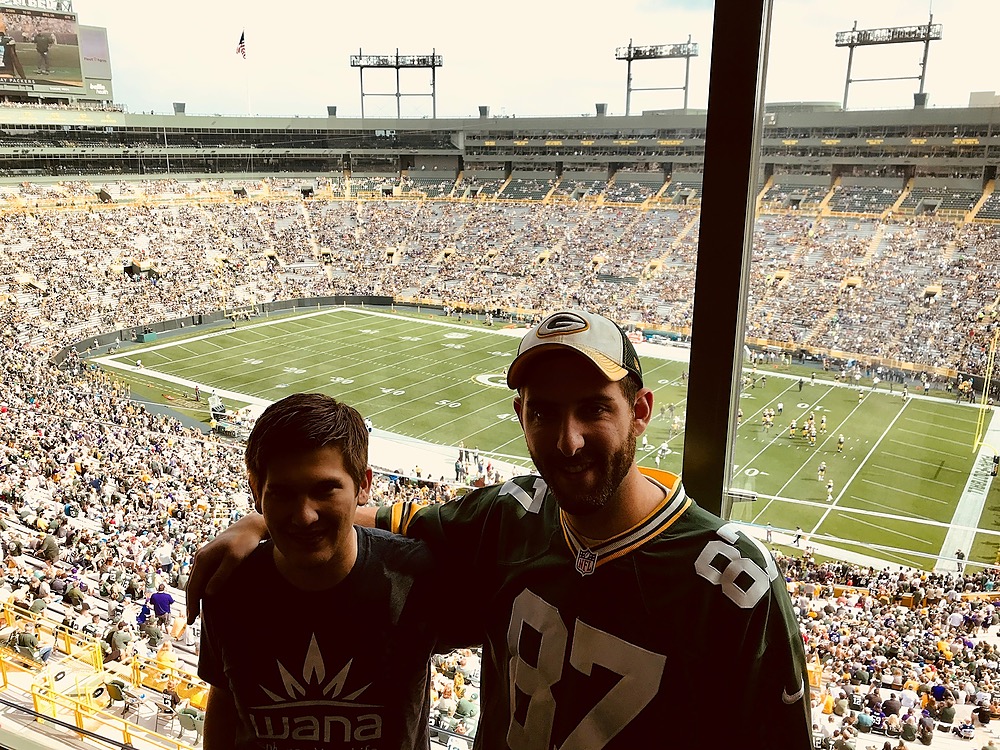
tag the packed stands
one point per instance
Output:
(908, 290)
(127, 493)
(481, 185)
(633, 187)
(528, 186)
(787, 194)
(928, 199)
(863, 199)
(579, 185)
(990, 208)
(683, 190)
(373, 184)
(433, 185)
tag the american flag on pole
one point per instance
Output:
(241, 48)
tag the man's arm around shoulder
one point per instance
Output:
(365, 516)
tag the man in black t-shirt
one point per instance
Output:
(337, 653)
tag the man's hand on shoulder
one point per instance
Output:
(215, 562)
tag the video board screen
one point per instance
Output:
(95, 55)
(38, 48)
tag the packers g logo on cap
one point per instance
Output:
(560, 324)
(597, 338)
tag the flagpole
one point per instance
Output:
(241, 49)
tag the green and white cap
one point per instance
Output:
(597, 338)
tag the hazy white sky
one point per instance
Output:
(526, 59)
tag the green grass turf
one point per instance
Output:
(896, 483)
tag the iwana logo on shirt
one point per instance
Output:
(313, 709)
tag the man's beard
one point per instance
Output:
(573, 498)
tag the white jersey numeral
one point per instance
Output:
(729, 578)
(641, 672)
(532, 501)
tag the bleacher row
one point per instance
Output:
(782, 192)
(635, 188)
(77, 685)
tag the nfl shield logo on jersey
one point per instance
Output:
(586, 561)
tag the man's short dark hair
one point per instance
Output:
(307, 422)
(630, 388)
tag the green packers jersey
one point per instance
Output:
(678, 626)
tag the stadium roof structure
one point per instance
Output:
(808, 137)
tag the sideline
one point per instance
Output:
(969, 509)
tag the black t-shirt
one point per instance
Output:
(341, 668)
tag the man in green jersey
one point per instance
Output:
(612, 609)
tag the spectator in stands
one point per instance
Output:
(75, 417)
(29, 639)
(865, 720)
(446, 704)
(307, 464)
(166, 659)
(840, 704)
(74, 596)
(982, 713)
(891, 706)
(925, 728)
(946, 712)
(49, 549)
(119, 639)
(161, 602)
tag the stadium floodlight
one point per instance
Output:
(397, 62)
(657, 51)
(685, 50)
(57, 6)
(892, 35)
(924, 33)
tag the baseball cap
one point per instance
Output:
(597, 338)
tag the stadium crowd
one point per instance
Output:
(911, 290)
(108, 500)
(904, 654)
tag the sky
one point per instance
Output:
(549, 59)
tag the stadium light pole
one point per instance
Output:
(687, 50)
(398, 62)
(923, 33)
(732, 152)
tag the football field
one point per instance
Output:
(908, 486)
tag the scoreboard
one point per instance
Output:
(44, 54)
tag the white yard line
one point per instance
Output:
(894, 516)
(888, 530)
(937, 438)
(861, 465)
(898, 491)
(913, 460)
(893, 470)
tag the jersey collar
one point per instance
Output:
(591, 554)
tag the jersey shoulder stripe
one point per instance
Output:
(523, 495)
